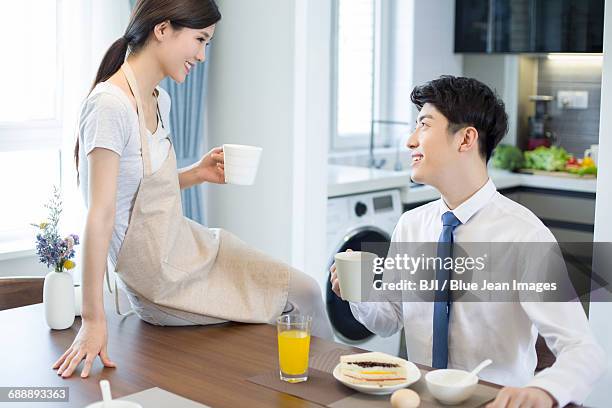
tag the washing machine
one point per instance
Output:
(352, 220)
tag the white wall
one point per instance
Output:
(312, 116)
(600, 312)
(500, 73)
(250, 101)
(401, 69)
(269, 86)
(433, 42)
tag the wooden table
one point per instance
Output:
(208, 364)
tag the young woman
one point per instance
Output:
(174, 271)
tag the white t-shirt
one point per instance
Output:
(109, 120)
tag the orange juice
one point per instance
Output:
(293, 346)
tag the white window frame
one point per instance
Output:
(382, 61)
(36, 135)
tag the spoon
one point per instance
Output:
(106, 392)
(474, 372)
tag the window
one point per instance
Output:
(27, 177)
(359, 60)
(30, 112)
(29, 74)
(354, 71)
(355, 67)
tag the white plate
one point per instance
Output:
(414, 374)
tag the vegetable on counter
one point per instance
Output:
(551, 158)
(581, 167)
(507, 157)
(554, 158)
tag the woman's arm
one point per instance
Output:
(103, 172)
(210, 168)
(91, 339)
(190, 176)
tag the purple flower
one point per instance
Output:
(52, 250)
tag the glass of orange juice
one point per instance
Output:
(293, 346)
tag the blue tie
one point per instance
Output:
(442, 302)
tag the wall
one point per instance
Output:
(251, 102)
(401, 69)
(600, 312)
(516, 77)
(311, 133)
(500, 73)
(269, 86)
(433, 42)
(575, 129)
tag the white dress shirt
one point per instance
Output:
(506, 332)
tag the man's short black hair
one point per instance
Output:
(466, 102)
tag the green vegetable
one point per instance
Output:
(588, 170)
(582, 170)
(507, 157)
(546, 158)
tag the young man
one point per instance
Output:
(460, 122)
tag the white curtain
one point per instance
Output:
(89, 28)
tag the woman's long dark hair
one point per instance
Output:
(197, 14)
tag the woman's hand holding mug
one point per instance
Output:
(211, 167)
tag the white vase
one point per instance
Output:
(58, 298)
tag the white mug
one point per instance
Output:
(350, 269)
(241, 163)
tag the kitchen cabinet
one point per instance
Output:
(524, 26)
(569, 215)
(472, 26)
(569, 26)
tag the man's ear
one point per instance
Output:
(162, 30)
(468, 139)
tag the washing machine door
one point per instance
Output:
(338, 310)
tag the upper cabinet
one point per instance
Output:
(541, 26)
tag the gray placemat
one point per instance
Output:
(321, 387)
(482, 395)
(328, 361)
(159, 398)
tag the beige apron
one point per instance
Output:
(185, 268)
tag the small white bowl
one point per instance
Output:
(443, 385)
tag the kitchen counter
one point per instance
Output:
(347, 180)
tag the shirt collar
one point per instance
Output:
(472, 205)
